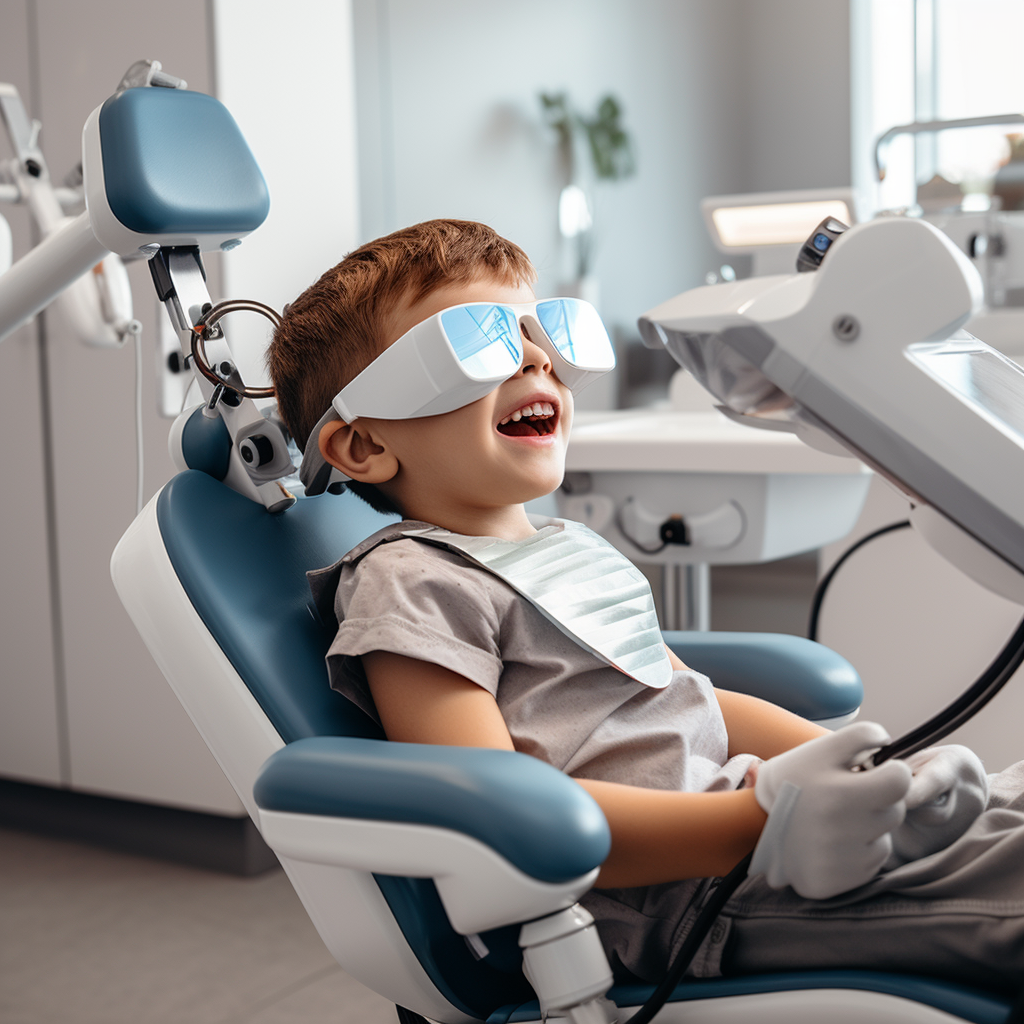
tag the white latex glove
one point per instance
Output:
(828, 826)
(949, 790)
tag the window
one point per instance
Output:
(920, 60)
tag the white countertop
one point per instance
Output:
(666, 440)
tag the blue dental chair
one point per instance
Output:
(416, 864)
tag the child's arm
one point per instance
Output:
(657, 835)
(755, 726)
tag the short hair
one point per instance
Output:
(340, 324)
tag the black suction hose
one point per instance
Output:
(705, 919)
(826, 580)
(968, 704)
(989, 683)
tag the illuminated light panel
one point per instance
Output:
(775, 223)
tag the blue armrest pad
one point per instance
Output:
(533, 815)
(800, 675)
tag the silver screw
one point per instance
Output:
(845, 327)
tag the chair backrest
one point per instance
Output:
(244, 571)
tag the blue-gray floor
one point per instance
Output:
(93, 937)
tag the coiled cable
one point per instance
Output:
(826, 580)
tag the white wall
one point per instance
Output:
(285, 73)
(796, 93)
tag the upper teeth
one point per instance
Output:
(537, 409)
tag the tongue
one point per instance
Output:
(522, 428)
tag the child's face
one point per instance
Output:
(478, 457)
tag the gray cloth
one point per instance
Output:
(561, 703)
(957, 913)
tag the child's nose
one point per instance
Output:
(534, 357)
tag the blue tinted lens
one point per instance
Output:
(576, 331)
(485, 338)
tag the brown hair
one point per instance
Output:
(339, 325)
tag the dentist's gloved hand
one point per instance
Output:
(828, 825)
(949, 790)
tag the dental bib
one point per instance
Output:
(580, 583)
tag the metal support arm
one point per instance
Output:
(259, 451)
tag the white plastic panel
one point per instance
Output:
(480, 890)
(358, 929)
(218, 702)
(780, 513)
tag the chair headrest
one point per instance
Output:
(200, 442)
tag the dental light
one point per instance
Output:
(770, 226)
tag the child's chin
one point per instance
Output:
(547, 485)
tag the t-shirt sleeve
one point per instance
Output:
(419, 601)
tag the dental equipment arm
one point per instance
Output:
(167, 176)
(866, 357)
(98, 306)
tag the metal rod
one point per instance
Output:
(669, 596)
(698, 596)
(44, 272)
(917, 127)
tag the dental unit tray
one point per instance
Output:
(866, 356)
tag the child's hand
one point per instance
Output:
(828, 825)
(949, 790)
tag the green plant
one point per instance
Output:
(611, 157)
(611, 149)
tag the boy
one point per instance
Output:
(466, 625)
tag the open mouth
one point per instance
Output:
(533, 420)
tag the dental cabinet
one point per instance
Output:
(685, 490)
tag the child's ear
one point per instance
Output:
(353, 449)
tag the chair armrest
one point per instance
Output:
(797, 674)
(505, 837)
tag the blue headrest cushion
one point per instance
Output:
(206, 445)
(175, 162)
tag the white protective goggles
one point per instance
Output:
(458, 356)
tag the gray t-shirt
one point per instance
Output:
(561, 703)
